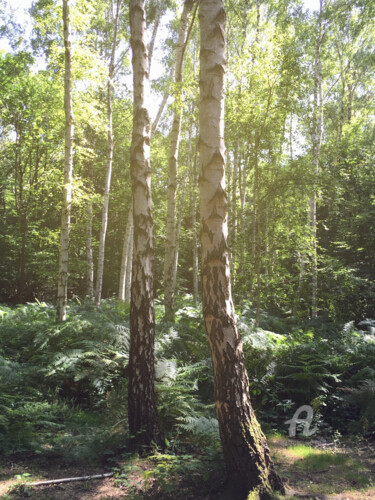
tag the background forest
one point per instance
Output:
(300, 139)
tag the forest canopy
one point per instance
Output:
(299, 125)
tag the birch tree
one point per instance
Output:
(143, 420)
(125, 259)
(170, 261)
(62, 287)
(317, 141)
(115, 13)
(249, 465)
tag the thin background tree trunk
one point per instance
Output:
(317, 141)
(89, 252)
(169, 273)
(194, 228)
(153, 36)
(107, 187)
(125, 257)
(248, 459)
(128, 276)
(62, 286)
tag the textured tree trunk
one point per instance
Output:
(143, 420)
(62, 286)
(169, 274)
(107, 186)
(317, 141)
(249, 465)
(125, 256)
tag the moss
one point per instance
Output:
(254, 494)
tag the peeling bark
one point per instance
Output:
(143, 419)
(249, 465)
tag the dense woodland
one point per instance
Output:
(131, 216)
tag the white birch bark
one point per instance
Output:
(171, 227)
(249, 465)
(128, 276)
(143, 419)
(107, 186)
(125, 257)
(62, 287)
(153, 36)
(89, 252)
(317, 141)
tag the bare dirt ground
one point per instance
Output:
(316, 470)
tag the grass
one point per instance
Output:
(316, 471)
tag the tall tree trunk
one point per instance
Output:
(170, 237)
(62, 286)
(163, 103)
(194, 228)
(242, 219)
(143, 419)
(257, 245)
(248, 460)
(317, 141)
(89, 252)
(297, 298)
(234, 209)
(128, 276)
(107, 186)
(153, 36)
(21, 289)
(125, 256)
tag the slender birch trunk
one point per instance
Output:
(62, 286)
(107, 186)
(125, 257)
(153, 36)
(89, 252)
(242, 219)
(234, 209)
(317, 141)
(180, 209)
(170, 237)
(163, 103)
(143, 419)
(128, 276)
(194, 228)
(249, 465)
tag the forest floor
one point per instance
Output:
(314, 470)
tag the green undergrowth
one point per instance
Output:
(63, 386)
(175, 473)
